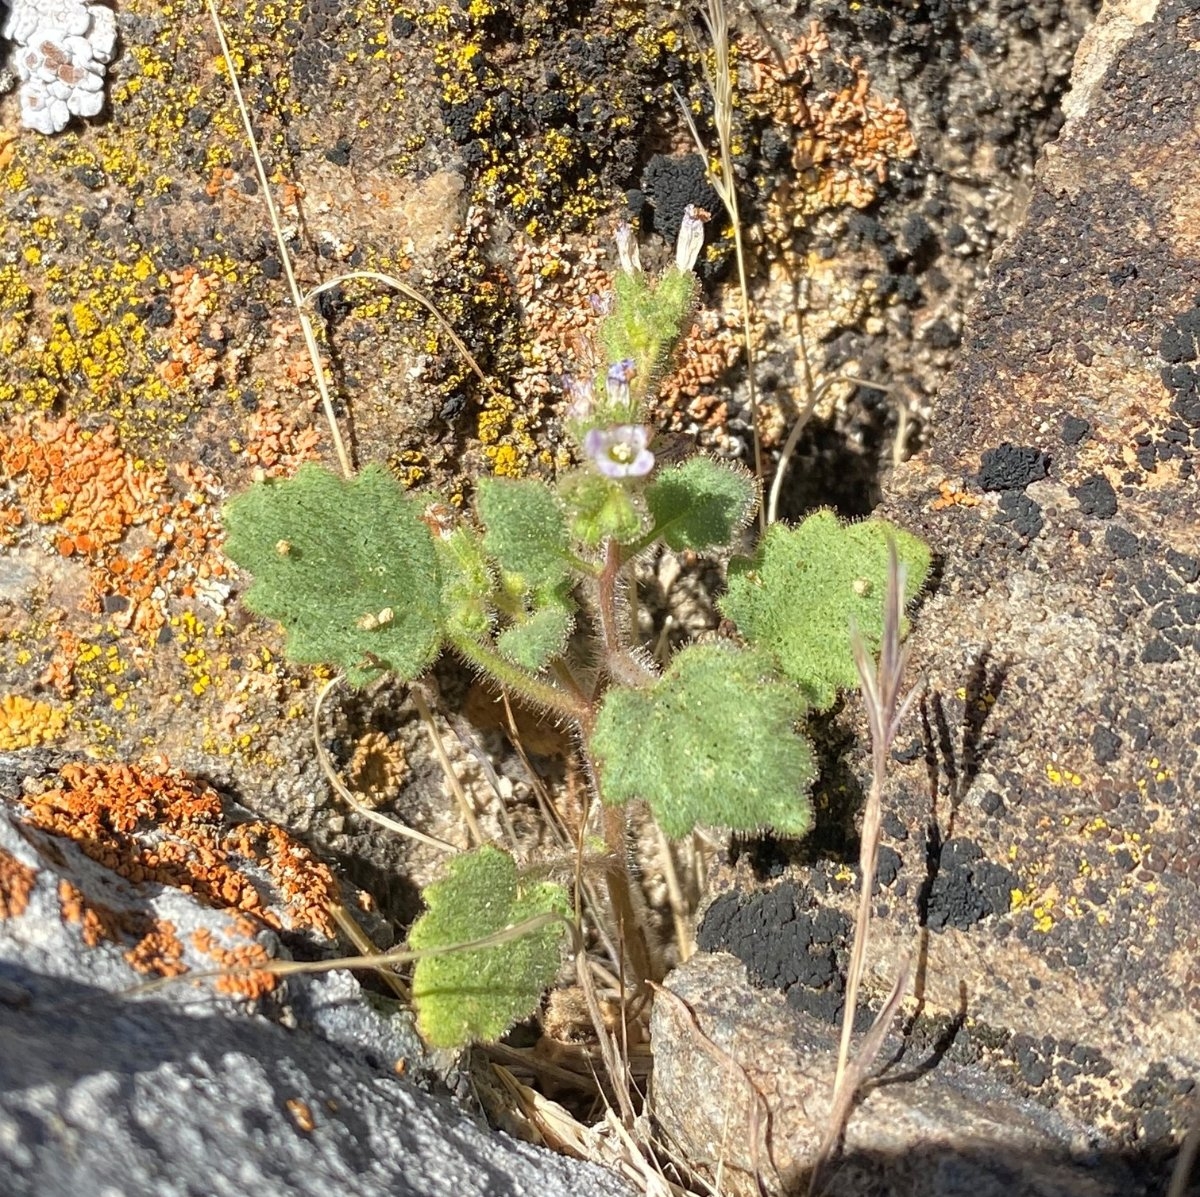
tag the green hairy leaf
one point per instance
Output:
(713, 741)
(700, 503)
(796, 596)
(348, 568)
(533, 643)
(479, 994)
(526, 530)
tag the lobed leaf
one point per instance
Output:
(480, 993)
(700, 503)
(347, 567)
(533, 643)
(712, 741)
(796, 596)
(525, 529)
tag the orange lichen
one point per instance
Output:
(91, 493)
(99, 923)
(278, 442)
(301, 1113)
(25, 722)
(194, 333)
(691, 397)
(166, 829)
(16, 884)
(10, 521)
(159, 952)
(244, 978)
(952, 494)
(308, 888)
(77, 480)
(841, 143)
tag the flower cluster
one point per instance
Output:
(643, 322)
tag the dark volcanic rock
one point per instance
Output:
(1084, 721)
(1059, 923)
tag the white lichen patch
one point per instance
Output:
(59, 52)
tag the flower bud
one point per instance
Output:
(627, 249)
(620, 375)
(691, 239)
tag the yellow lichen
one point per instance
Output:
(27, 722)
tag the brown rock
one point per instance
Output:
(1040, 824)
(743, 1082)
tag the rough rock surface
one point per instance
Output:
(195, 1089)
(150, 360)
(1040, 843)
(943, 1132)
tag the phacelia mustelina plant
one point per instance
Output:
(371, 579)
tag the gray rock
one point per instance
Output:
(183, 1090)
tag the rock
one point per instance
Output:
(742, 1080)
(1059, 733)
(221, 1088)
(1040, 822)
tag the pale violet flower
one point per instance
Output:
(620, 452)
(691, 238)
(617, 381)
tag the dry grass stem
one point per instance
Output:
(285, 257)
(680, 914)
(299, 299)
(815, 395)
(362, 942)
(720, 86)
(846, 1089)
(885, 712)
(411, 292)
(368, 960)
(435, 739)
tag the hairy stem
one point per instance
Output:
(623, 667)
(519, 681)
(632, 931)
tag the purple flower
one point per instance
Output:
(617, 381)
(620, 452)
